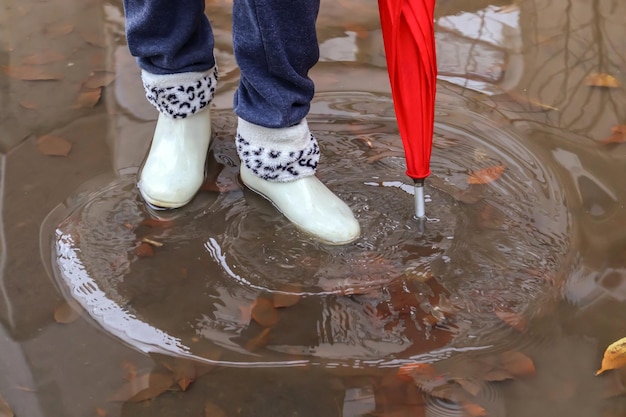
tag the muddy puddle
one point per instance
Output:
(501, 303)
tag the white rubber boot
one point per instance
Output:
(280, 164)
(174, 169)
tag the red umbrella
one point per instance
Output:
(409, 36)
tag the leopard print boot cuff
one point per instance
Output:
(180, 95)
(278, 155)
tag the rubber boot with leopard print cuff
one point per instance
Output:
(280, 165)
(174, 168)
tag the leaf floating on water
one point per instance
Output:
(5, 410)
(602, 80)
(618, 135)
(614, 356)
(88, 98)
(184, 371)
(99, 79)
(474, 410)
(497, 375)
(144, 387)
(260, 341)
(517, 364)
(411, 371)
(212, 410)
(30, 73)
(486, 175)
(58, 29)
(101, 412)
(41, 58)
(65, 314)
(131, 370)
(289, 296)
(53, 145)
(264, 312)
(514, 320)
(144, 250)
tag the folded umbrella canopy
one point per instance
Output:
(409, 37)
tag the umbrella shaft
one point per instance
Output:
(420, 210)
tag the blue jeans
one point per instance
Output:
(275, 46)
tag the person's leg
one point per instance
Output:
(173, 43)
(275, 46)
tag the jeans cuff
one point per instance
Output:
(278, 155)
(180, 95)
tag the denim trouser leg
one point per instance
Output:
(275, 45)
(169, 36)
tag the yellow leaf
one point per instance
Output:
(602, 80)
(65, 314)
(614, 356)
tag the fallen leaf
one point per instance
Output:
(614, 356)
(29, 105)
(603, 80)
(101, 412)
(5, 410)
(618, 135)
(144, 250)
(409, 371)
(53, 145)
(260, 341)
(144, 387)
(264, 313)
(44, 57)
(470, 385)
(88, 98)
(65, 314)
(131, 370)
(99, 79)
(158, 223)
(512, 319)
(58, 29)
(517, 364)
(184, 371)
(212, 410)
(474, 410)
(289, 296)
(497, 375)
(486, 175)
(30, 73)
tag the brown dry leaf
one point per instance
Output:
(53, 145)
(517, 364)
(289, 296)
(29, 105)
(65, 314)
(158, 223)
(411, 370)
(614, 356)
(30, 73)
(142, 388)
(212, 410)
(144, 250)
(474, 410)
(497, 375)
(99, 79)
(5, 410)
(486, 175)
(131, 370)
(598, 79)
(88, 98)
(512, 319)
(618, 135)
(58, 29)
(44, 57)
(260, 341)
(184, 371)
(101, 412)
(264, 312)
(470, 385)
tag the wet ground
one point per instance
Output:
(507, 298)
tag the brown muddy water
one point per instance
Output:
(501, 304)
